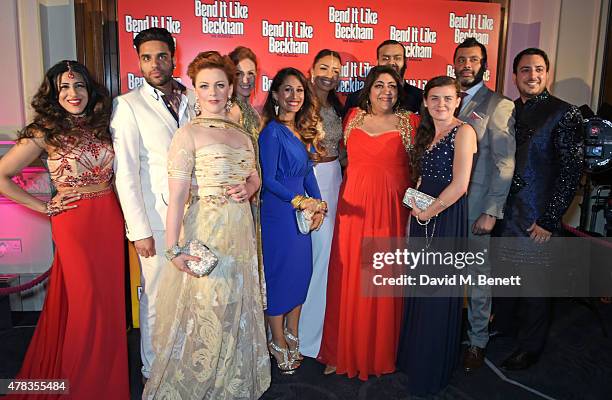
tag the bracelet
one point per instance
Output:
(297, 201)
(422, 223)
(173, 252)
(51, 209)
(444, 205)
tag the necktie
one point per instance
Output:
(462, 96)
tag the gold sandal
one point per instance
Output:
(329, 369)
(287, 366)
(295, 352)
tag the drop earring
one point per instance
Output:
(229, 104)
(196, 108)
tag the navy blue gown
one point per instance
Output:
(431, 328)
(287, 171)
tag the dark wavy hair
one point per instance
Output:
(427, 131)
(375, 72)
(332, 96)
(54, 122)
(307, 119)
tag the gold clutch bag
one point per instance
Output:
(208, 259)
(421, 199)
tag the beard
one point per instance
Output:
(161, 81)
(402, 71)
(166, 76)
(477, 79)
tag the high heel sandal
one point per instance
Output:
(287, 366)
(329, 369)
(295, 352)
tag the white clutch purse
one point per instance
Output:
(304, 221)
(208, 259)
(421, 199)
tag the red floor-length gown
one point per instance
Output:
(81, 332)
(360, 334)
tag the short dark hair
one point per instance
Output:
(160, 34)
(375, 72)
(471, 42)
(390, 42)
(532, 51)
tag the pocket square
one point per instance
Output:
(475, 116)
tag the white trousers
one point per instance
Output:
(329, 178)
(150, 276)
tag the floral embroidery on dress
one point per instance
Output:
(84, 162)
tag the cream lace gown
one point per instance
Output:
(209, 336)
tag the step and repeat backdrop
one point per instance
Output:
(284, 33)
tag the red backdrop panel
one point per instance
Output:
(284, 33)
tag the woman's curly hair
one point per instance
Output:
(53, 123)
(307, 119)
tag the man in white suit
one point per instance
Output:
(492, 117)
(142, 125)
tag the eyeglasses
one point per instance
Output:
(472, 60)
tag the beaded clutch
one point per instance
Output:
(208, 259)
(421, 199)
(304, 221)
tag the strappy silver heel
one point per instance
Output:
(295, 352)
(287, 366)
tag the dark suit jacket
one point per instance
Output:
(549, 158)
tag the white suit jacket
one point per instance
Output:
(142, 129)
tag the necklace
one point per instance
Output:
(216, 123)
(287, 122)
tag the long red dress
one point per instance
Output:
(81, 332)
(360, 334)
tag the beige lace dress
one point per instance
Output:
(209, 336)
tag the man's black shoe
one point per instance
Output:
(520, 360)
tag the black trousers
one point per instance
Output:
(527, 317)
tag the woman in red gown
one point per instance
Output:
(360, 334)
(81, 335)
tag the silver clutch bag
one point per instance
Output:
(304, 221)
(421, 199)
(208, 259)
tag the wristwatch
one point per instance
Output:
(172, 252)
